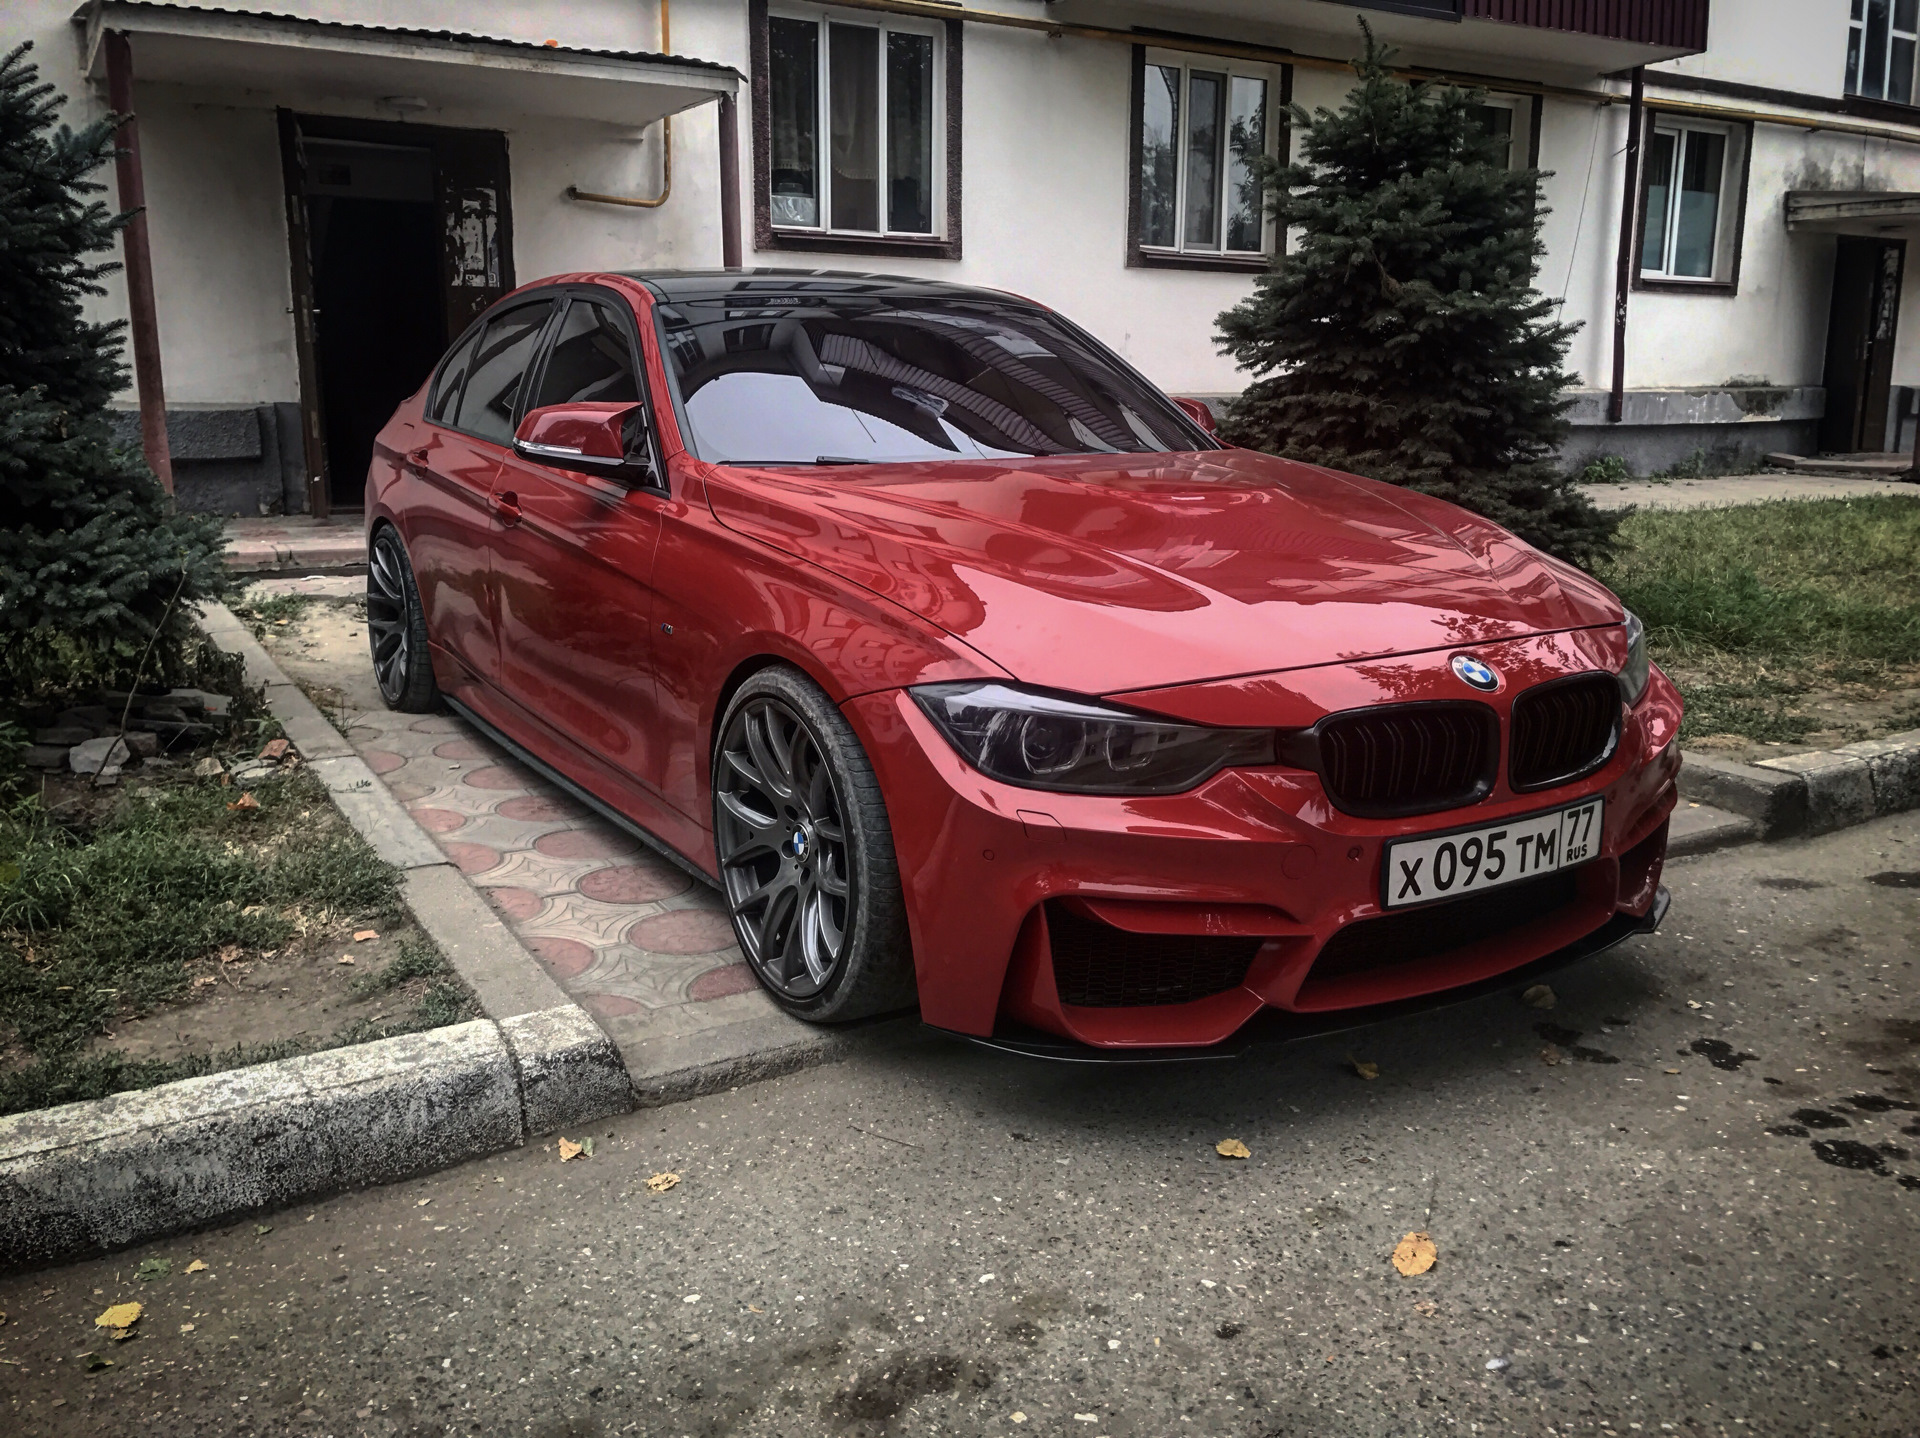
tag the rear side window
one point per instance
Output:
(592, 360)
(446, 388)
(499, 365)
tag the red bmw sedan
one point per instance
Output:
(972, 669)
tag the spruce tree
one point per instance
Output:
(1402, 338)
(93, 558)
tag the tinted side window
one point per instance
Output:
(591, 360)
(506, 350)
(446, 388)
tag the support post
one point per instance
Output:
(1623, 273)
(143, 317)
(729, 182)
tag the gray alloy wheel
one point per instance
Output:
(806, 853)
(397, 628)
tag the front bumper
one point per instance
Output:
(1258, 855)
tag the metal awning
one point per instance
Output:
(1853, 212)
(302, 64)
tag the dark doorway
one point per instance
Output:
(400, 236)
(1860, 340)
(380, 323)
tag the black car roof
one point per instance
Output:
(688, 285)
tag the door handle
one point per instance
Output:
(507, 506)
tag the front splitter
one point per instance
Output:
(1276, 1026)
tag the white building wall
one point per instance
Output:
(1044, 185)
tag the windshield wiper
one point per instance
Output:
(841, 459)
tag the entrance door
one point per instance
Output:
(1860, 340)
(400, 236)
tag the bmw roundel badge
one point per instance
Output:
(1472, 671)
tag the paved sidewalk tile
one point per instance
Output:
(623, 931)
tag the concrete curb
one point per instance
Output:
(114, 1171)
(1802, 795)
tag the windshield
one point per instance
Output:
(826, 379)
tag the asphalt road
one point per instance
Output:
(934, 1239)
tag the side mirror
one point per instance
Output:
(609, 440)
(1197, 411)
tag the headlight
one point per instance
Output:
(1633, 678)
(1051, 741)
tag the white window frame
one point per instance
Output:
(1187, 63)
(885, 22)
(1857, 53)
(1726, 217)
(1519, 138)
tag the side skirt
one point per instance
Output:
(598, 805)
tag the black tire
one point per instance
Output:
(397, 628)
(797, 815)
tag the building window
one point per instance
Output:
(1692, 203)
(1881, 46)
(852, 128)
(1495, 119)
(1199, 126)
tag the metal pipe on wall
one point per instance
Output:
(637, 202)
(729, 182)
(1623, 268)
(142, 314)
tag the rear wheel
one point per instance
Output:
(397, 628)
(806, 854)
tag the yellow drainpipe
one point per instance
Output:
(636, 202)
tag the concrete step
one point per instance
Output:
(296, 543)
(1863, 466)
(1701, 828)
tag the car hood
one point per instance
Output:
(1102, 573)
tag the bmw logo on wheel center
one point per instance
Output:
(1472, 671)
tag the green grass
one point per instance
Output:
(1754, 605)
(104, 923)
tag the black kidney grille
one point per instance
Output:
(1407, 758)
(1097, 966)
(1441, 928)
(1562, 730)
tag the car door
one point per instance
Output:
(449, 515)
(573, 559)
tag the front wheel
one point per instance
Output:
(806, 854)
(397, 628)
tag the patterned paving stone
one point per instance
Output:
(515, 904)
(541, 807)
(682, 931)
(719, 983)
(618, 927)
(644, 881)
(437, 821)
(500, 776)
(595, 841)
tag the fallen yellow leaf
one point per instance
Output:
(1549, 1055)
(1669, 1071)
(1232, 1148)
(661, 1182)
(121, 1316)
(1365, 1070)
(570, 1149)
(197, 1266)
(1538, 997)
(360, 936)
(245, 801)
(1414, 1254)
(344, 959)
(186, 1328)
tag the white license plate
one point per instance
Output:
(1420, 871)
